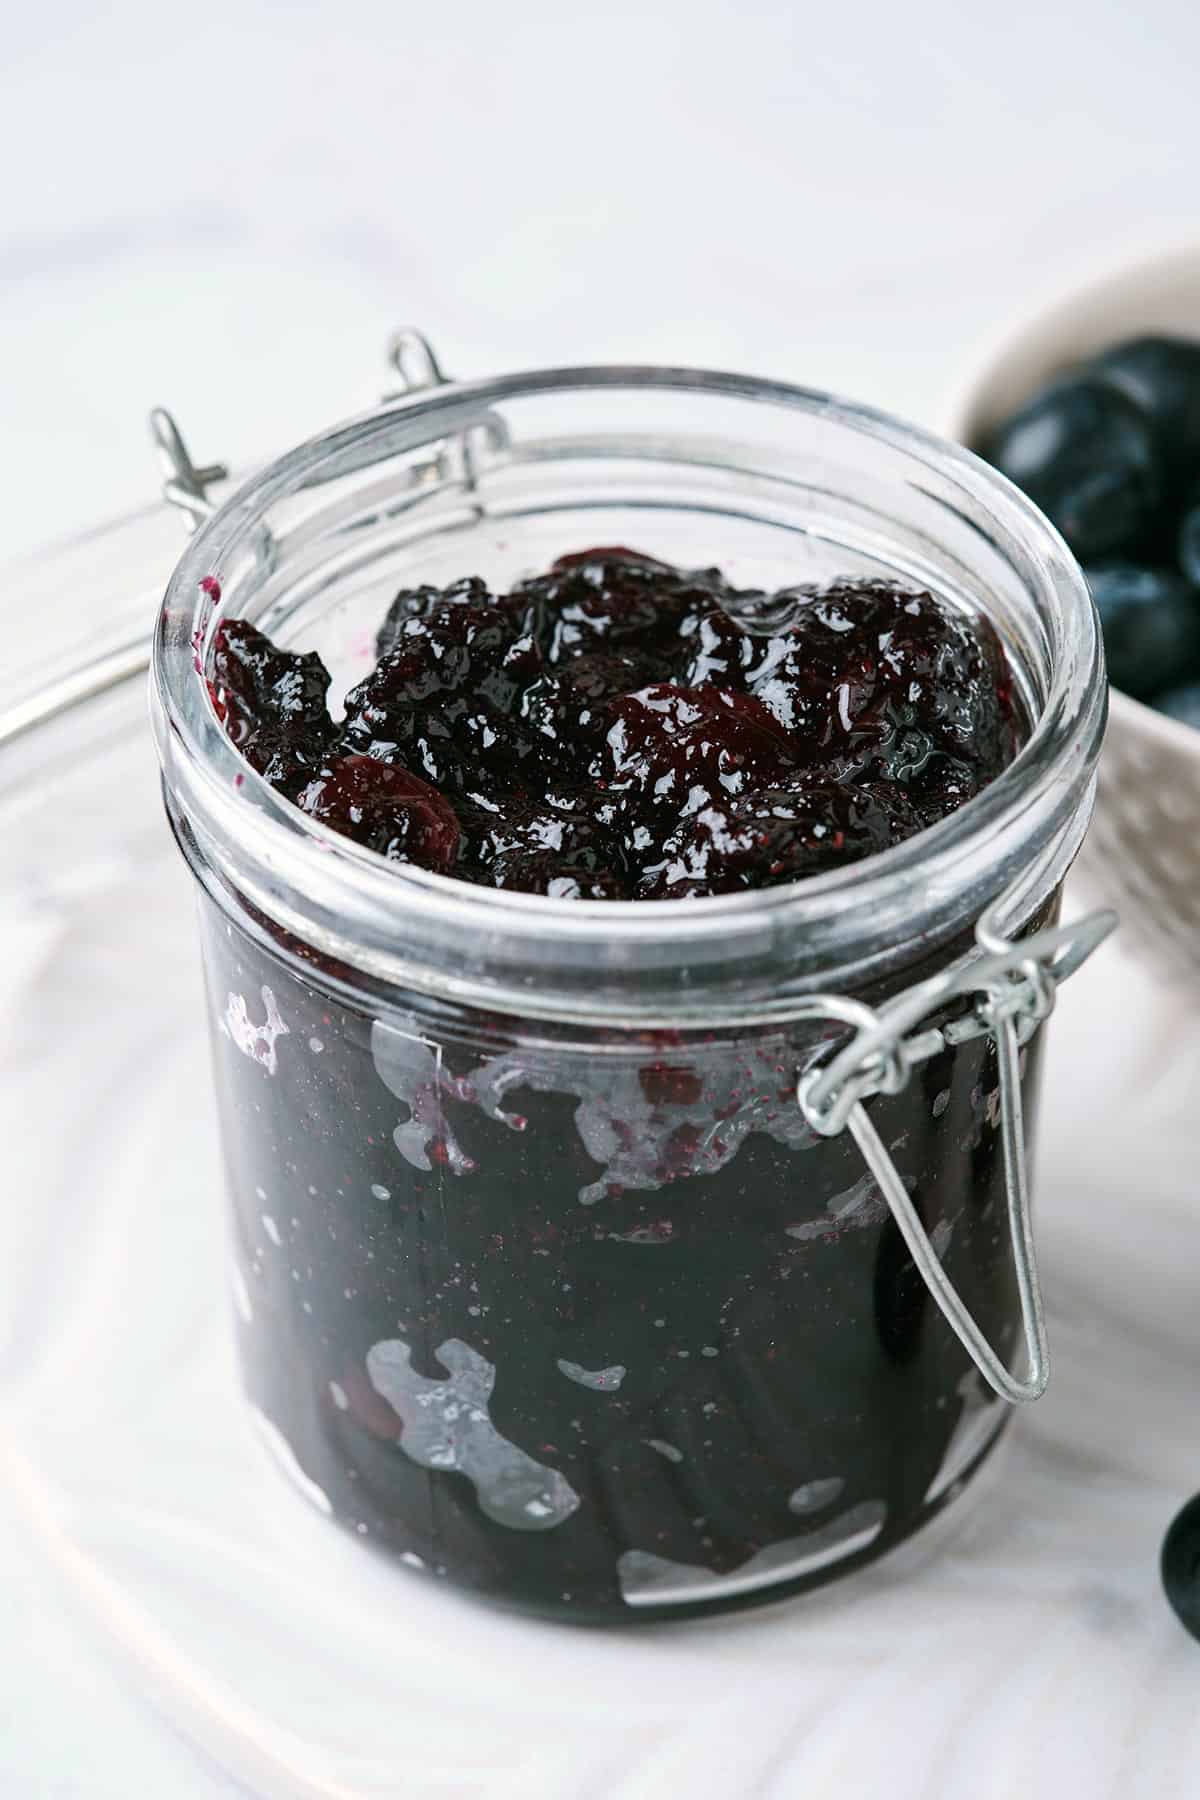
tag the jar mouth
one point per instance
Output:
(301, 522)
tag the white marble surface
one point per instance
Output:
(227, 208)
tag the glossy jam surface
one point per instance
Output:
(619, 729)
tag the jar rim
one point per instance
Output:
(638, 960)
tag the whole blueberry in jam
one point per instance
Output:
(620, 729)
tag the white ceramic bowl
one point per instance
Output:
(1143, 851)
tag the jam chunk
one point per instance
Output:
(549, 846)
(675, 748)
(886, 679)
(777, 834)
(271, 702)
(386, 809)
(618, 599)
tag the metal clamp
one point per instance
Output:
(1014, 983)
(409, 353)
(415, 363)
(417, 369)
(186, 486)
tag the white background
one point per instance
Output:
(225, 207)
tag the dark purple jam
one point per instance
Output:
(618, 729)
(587, 1322)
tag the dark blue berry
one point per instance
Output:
(677, 749)
(569, 706)
(890, 682)
(1180, 1566)
(1151, 623)
(1188, 541)
(1161, 375)
(1089, 456)
(617, 599)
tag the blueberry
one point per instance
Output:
(1188, 541)
(569, 706)
(1161, 375)
(1180, 1566)
(1090, 458)
(618, 599)
(1151, 623)
(1182, 703)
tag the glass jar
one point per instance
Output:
(547, 1284)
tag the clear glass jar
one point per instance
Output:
(544, 1283)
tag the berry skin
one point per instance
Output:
(617, 599)
(551, 846)
(717, 649)
(1161, 375)
(444, 647)
(1188, 538)
(1092, 459)
(1151, 624)
(1179, 1566)
(885, 680)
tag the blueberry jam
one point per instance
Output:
(619, 729)
(586, 1320)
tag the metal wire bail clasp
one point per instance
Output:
(1014, 984)
(186, 486)
(414, 361)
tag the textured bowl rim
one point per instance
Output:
(1172, 734)
(1053, 315)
